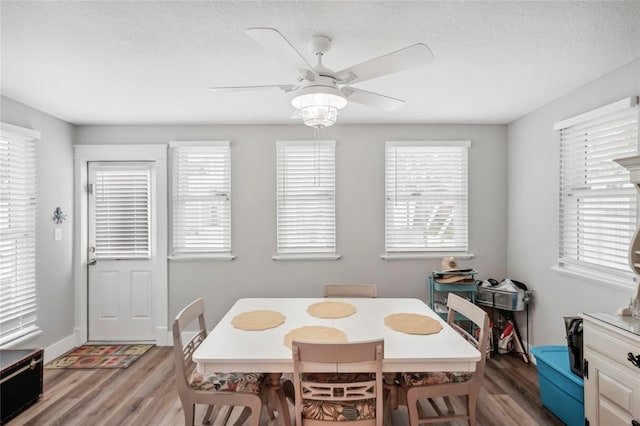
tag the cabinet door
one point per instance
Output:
(612, 395)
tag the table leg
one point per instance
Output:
(278, 400)
(391, 387)
(391, 400)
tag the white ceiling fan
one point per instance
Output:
(321, 93)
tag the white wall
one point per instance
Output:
(360, 211)
(55, 189)
(533, 158)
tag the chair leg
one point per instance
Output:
(264, 397)
(227, 414)
(472, 400)
(435, 407)
(412, 408)
(244, 415)
(447, 402)
(189, 412)
(250, 412)
(206, 420)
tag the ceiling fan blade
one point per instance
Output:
(371, 99)
(283, 87)
(400, 60)
(272, 40)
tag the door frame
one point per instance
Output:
(83, 154)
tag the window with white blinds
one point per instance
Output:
(598, 204)
(120, 208)
(426, 197)
(201, 194)
(18, 204)
(306, 208)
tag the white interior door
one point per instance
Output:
(123, 261)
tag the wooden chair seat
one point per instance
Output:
(435, 377)
(231, 382)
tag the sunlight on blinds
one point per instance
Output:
(306, 197)
(18, 202)
(201, 185)
(598, 204)
(426, 197)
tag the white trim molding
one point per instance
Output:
(83, 154)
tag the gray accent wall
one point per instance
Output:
(513, 188)
(359, 211)
(533, 158)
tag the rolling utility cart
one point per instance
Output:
(504, 303)
(442, 283)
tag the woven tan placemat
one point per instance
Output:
(331, 309)
(315, 334)
(412, 323)
(258, 320)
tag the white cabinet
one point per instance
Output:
(612, 380)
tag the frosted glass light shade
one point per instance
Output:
(319, 109)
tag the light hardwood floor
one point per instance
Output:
(144, 394)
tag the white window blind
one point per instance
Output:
(120, 208)
(18, 203)
(598, 204)
(201, 208)
(426, 196)
(306, 197)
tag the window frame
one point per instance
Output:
(25, 320)
(225, 254)
(619, 278)
(406, 252)
(292, 253)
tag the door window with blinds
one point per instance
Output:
(306, 219)
(120, 210)
(598, 204)
(17, 233)
(426, 197)
(201, 198)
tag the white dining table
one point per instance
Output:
(229, 349)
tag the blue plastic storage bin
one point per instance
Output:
(561, 391)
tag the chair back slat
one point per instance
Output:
(350, 290)
(358, 357)
(480, 318)
(184, 351)
(352, 391)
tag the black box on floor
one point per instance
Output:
(20, 381)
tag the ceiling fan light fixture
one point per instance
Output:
(319, 107)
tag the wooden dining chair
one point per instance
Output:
(338, 382)
(350, 290)
(220, 389)
(431, 385)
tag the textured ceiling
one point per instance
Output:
(152, 62)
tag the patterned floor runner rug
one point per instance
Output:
(100, 356)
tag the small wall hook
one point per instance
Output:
(58, 216)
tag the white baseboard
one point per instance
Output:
(59, 348)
